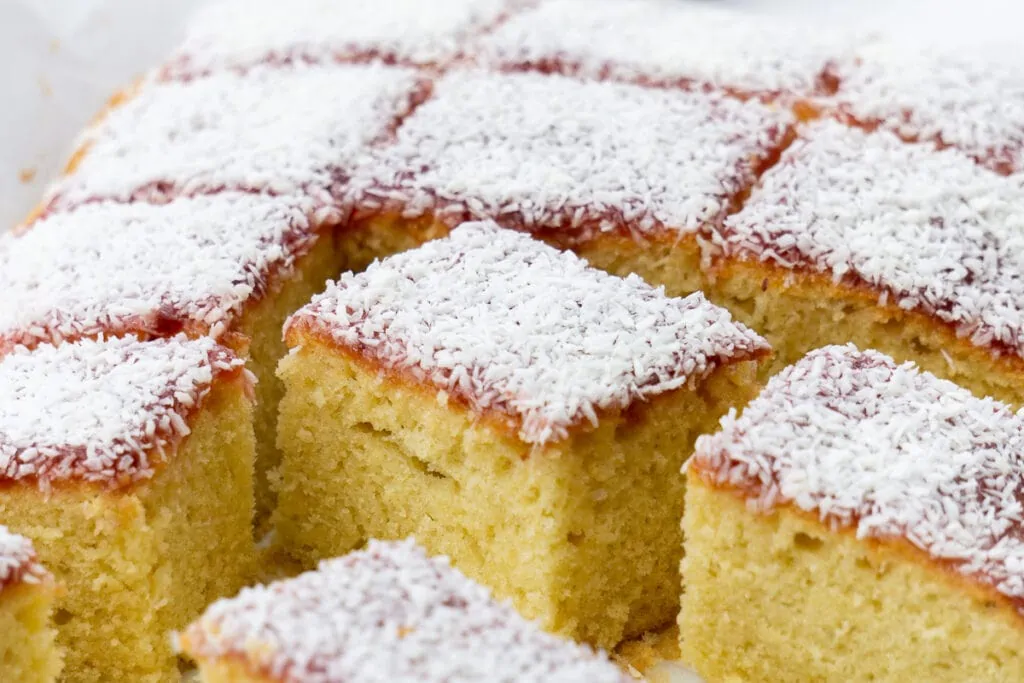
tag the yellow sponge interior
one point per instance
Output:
(141, 562)
(583, 535)
(781, 598)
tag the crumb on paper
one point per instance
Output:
(44, 86)
(27, 175)
(54, 46)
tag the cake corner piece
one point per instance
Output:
(854, 500)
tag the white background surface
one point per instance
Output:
(61, 59)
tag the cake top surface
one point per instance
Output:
(106, 268)
(103, 412)
(18, 562)
(931, 230)
(513, 326)
(552, 153)
(968, 101)
(887, 450)
(664, 42)
(388, 613)
(278, 130)
(241, 33)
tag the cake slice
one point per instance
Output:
(856, 236)
(272, 130)
(861, 521)
(386, 613)
(514, 409)
(954, 99)
(27, 591)
(239, 34)
(626, 176)
(129, 464)
(668, 43)
(232, 266)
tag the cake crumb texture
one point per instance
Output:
(782, 597)
(146, 512)
(888, 452)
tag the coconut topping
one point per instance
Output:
(18, 562)
(107, 269)
(929, 229)
(388, 613)
(887, 450)
(665, 42)
(242, 33)
(550, 153)
(514, 326)
(967, 101)
(274, 130)
(102, 411)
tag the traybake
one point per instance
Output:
(800, 188)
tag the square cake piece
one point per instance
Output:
(239, 34)
(956, 99)
(384, 614)
(627, 176)
(273, 130)
(28, 653)
(860, 237)
(514, 409)
(129, 464)
(668, 43)
(861, 521)
(232, 266)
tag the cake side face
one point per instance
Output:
(386, 613)
(102, 412)
(520, 330)
(553, 155)
(18, 561)
(110, 269)
(887, 452)
(275, 130)
(780, 597)
(665, 43)
(926, 229)
(238, 34)
(971, 103)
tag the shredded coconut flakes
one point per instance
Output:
(514, 326)
(551, 153)
(107, 269)
(277, 130)
(389, 613)
(666, 42)
(18, 562)
(929, 229)
(888, 450)
(972, 103)
(102, 411)
(243, 33)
